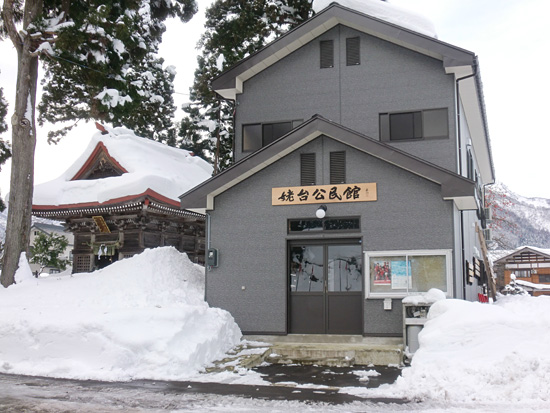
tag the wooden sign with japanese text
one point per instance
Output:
(319, 194)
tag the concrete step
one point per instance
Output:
(332, 350)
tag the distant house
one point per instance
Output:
(530, 265)
(361, 156)
(41, 228)
(120, 197)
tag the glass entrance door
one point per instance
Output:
(326, 284)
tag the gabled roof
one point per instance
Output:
(453, 186)
(230, 83)
(119, 167)
(542, 253)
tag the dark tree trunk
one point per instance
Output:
(23, 142)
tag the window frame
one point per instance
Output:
(370, 255)
(384, 126)
(294, 123)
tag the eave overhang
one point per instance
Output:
(230, 83)
(147, 200)
(453, 187)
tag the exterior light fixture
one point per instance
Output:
(321, 212)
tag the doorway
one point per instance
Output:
(326, 287)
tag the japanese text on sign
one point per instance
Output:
(316, 194)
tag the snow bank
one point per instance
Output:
(384, 11)
(150, 165)
(143, 317)
(473, 352)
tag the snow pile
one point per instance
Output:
(142, 317)
(384, 11)
(150, 165)
(473, 352)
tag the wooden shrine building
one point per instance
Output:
(121, 197)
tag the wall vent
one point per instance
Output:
(353, 56)
(337, 168)
(327, 54)
(307, 169)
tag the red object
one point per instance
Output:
(482, 298)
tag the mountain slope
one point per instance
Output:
(518, 220)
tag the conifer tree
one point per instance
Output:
(234, 30)
(5, 151)
(108, 54)
(47, 251)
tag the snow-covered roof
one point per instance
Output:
(147, 166)
(384, 11)
(518, 250)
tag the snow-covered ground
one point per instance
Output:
(145, 317)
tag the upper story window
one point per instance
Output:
(327, 53)
(258, 135)
(422, 124)
(353, 56)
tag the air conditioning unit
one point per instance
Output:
(488, 212)
(534, 272)
(487, 234)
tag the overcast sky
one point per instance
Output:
(511, 38)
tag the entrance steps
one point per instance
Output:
(331, 350)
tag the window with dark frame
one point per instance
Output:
(258, 135)
(353, 56)
(307, 169)
(422, 124)
(327, 53)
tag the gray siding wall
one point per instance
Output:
(251, 234)
(390, 78)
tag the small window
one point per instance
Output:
(353, 57)
(327, 54)
(543, 278)
(337, 168)
(424, 124)
(307, 169)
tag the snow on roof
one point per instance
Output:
(534, 286)
(384, 11)
(150, 165)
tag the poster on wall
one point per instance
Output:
(382, 273)
(400, 278)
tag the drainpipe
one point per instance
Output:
(459, 135)
(206, 267)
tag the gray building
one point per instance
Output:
(361, 152)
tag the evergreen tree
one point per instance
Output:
(109, 51)
(100, 58)
(47, 251)
(234, 30)
(5, 151)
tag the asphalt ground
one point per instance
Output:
(286, 381)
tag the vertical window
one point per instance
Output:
(327, 54)
(337, 168)
(307, 169)
(353, 56)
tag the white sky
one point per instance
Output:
(509, 36)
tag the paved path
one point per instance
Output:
(40, 394)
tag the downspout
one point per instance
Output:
(459, 136)
(206, 267)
